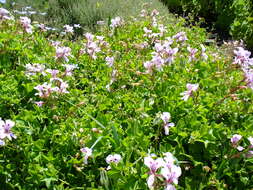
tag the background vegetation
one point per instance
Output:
(124, 117)
(85, 12)
(234, 17)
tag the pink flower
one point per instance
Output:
(69, 69)
(240, 148)
(45, 90)
(39, 103)
(151, 181)
(63, 88)
(109, 61)
(235, 139)
(190, 89)
(92, 49)
(154, 13)
(167, 128)
(113, 158)
(152, 164)
(33, 69)
(170, 187)
(89, 36)
(116, 22)
(53, 72)
(87, 153)
(63, 52)
(242, 56)
(248, 73)
(169, 171)
(168, 160)
(26, 23)
(5, 129)
(143, 13)
(193, 52)
(180, 37)
(170, 53)
(166, 117)
(5, 14)
(171, 174)
(55, 43)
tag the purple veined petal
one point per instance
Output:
(165, 116)
(235, 139)
(151, 181)
(166, 129)
(240, 148)
(170, 187)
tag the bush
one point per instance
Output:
(112, 95)
(229, 16)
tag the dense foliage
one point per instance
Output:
(109, 110)
(230, 16)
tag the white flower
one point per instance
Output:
(68, 29)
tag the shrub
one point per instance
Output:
(229, 16)
(136, 102)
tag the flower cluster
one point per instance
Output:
(63, 53)
(242, 58)
(169, 172)
(180, 37)
(5, 131)
(93, 45)
(56, 84)
(5, 14)
(190, 89)
(150, 34)
(33, 69)
(165, 116)
(162, 55)
(46, 89)
(26, 23)
(116, 22)
(235, 141)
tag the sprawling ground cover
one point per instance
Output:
(137, 105)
